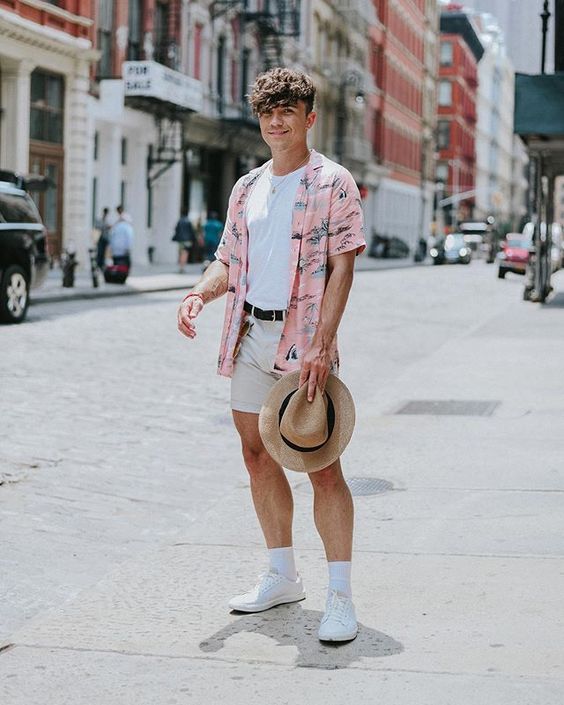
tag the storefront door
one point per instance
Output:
(48, 163)
(46, 151)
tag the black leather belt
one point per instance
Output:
(264, 315)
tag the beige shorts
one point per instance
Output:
(253, 373)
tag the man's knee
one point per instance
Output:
(257, 459)
(327, 479)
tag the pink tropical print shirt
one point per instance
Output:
(327, 220)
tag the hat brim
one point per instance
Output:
(269, 427)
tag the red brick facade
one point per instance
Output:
(66, 16)
(457, 115)
(149, 17)
(397, 65)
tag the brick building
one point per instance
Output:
(401, 74)
(460, 52)
(45, 58)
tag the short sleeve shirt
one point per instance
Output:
(327, 220)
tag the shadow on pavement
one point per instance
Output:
(557, 301)
(291, 625)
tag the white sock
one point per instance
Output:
(282, 561)
(340, 577)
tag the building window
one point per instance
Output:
(47, 106)
(446, 53)
(94, 200)
(96, 145)
(197, 73)
(161, 33)
(135, 32)
(220, 74)
(443, 134)
(105, 28)
(445, 93)
(123, 151)
(123, 194)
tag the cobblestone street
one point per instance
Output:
(121, 475)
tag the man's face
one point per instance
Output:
(286, 126)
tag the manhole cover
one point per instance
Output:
(452, 407)
(359, 486)
(368, 485)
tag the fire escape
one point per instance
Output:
(272, 21)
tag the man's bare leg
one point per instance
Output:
(271, 492)
(334, 519)
(333, 512)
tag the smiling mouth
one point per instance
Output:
(278, 132)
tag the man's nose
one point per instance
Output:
(276, 119)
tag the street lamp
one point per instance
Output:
(545, 15)
(349, 78)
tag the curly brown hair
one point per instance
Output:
(279, 87)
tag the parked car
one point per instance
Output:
(453, 250)
(23, 245)
(474, 235)
(514, 255)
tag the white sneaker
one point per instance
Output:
(339, 621)
(272, 589)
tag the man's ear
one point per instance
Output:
(310, 120)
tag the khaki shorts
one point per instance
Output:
(253, 374)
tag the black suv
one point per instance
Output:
(23, 244)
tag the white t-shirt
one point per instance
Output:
(269, 222)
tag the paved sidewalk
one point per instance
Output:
(459, 566)
(157, 277)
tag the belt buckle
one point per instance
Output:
(273, 317)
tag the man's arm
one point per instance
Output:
(316, 364)
(212, 285)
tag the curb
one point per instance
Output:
(87, 295)
(95, 294)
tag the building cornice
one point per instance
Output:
(59, 12)
(20, 29)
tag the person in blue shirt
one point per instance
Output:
(121, 238)
(213, 229)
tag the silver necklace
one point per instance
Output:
(273, 188)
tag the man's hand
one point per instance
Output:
(315, 369)
(187, 312)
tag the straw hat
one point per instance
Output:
(306, 436)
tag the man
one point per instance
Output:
(286, 259)
(121, 238)
(212, 234)
(103, 225)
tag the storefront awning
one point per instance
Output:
(539, 117)
(539, 105)
(150, 83)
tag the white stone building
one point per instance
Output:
(44, 80)
(494, 130)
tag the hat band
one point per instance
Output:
(330, 424)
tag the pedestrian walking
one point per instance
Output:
(213, 227)
(286, 261)
(185, 236)
(103, 225)
(121, 238)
